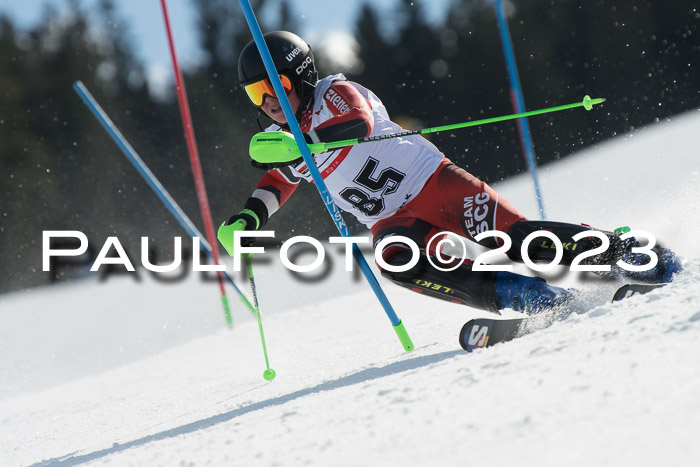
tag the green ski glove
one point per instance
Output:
(245, 220)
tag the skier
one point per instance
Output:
(405, 186)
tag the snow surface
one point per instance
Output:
(140, 373)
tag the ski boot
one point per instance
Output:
(668, 266)
(618, 249)
(529, 295)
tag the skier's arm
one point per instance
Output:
(352, 115)
(271, 192)
(273, 189)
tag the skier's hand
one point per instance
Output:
(245, 220)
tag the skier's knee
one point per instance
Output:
(461, 285)
(397, 259)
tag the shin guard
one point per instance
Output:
(461, 285)
(542, 250)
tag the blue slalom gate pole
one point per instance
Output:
(316, 175)
(150, 178)
(518, 102)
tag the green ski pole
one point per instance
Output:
(279, 147)
(269, 374)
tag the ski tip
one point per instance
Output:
(474, 335)
(463, 333)
(628, 290)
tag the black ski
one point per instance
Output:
(485, 332)
(628, 290)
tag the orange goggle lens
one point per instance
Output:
(256, 91)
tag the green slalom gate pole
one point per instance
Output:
(266, 147)
(269, 374)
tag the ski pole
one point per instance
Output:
(320, 184)
(150, 178)
(168, 201)
(587, 103)
(266, 147)
(269, 374)
(194, 159)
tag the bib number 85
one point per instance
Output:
(385, 183)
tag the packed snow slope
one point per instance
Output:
(140, 373)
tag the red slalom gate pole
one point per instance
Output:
(194, 161)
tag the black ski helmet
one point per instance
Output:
(292, 57)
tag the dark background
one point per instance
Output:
(60, 171)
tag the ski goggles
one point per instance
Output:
(256, 91)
